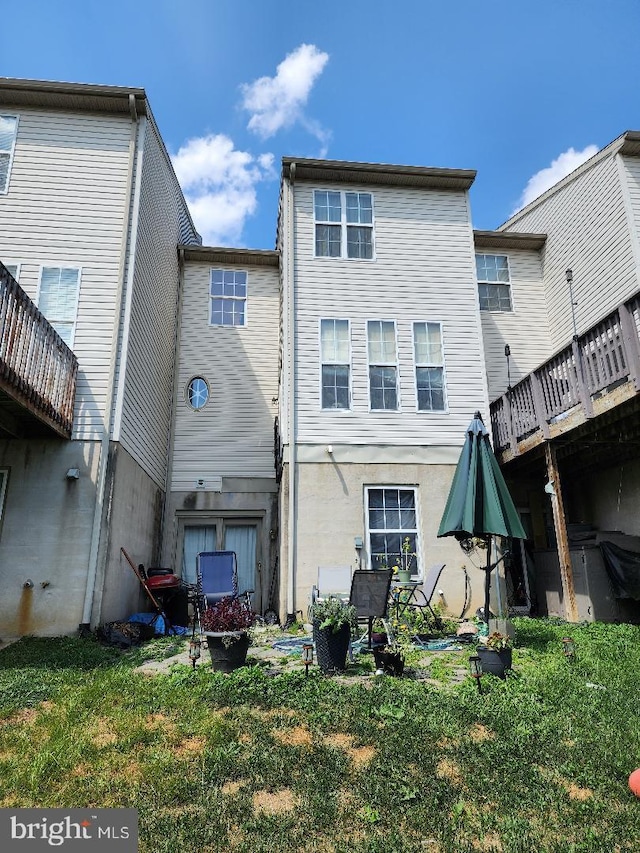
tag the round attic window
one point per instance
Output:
(197, 392)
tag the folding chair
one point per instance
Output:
(333, 582)
(217, 577)
(370, 596)
(419, 597)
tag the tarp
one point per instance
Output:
(623, 568)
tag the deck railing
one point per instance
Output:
(606, 355)
(37, 368)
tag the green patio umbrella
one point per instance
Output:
(479, 503)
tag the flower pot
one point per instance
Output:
(228, 649)
(331, 648)
(391, 663)
(403, 575)
(495, 661)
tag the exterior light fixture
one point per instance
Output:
(307, 656)
(569, 648)
(195, 647)
(73, 474)
(475, 668)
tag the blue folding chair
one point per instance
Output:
(217, 577)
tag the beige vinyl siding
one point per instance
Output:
(525, 329)
(587, 231)
(424, 270)
(148, 354)
(630, 169)
(65, 207)
(232, 436)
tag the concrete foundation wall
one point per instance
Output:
(331, 512)
(132, 519)
(45, 535)
(241, 499)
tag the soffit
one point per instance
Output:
(506, 240)
(218, 255)
(345, 172)
(70, 96)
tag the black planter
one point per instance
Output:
(331, 648)
(228, 651)
(391, 663)
(495, 661)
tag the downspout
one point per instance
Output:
(87, 610)
(291, 305)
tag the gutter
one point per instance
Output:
(127, 250)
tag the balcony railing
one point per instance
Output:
(605, 357)
(37, 368)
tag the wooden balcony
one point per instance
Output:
(37, 369)
(591, 383)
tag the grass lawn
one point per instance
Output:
(257, 762)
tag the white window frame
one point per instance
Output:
(417, 569)
(442, 366)
(344, 225)
(489, 283)
(190, 405)
(54, 320)
(395, 364)
(4, 480)
(9, 263)
(244, 298)
(4, 190)
(324, 361)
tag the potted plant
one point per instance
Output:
(495, 654)
(403, 571)
(332, 621)
(226, 626)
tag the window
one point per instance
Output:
(427, 351)
(392, 518)
(197, 392)
(335, 363)
(493, 282)
(13, 269)
(8, 129)
(228, 298)
(383, 370)
(58, 299)
(344, 224)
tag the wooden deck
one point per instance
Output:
(37, 369)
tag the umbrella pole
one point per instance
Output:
(487, 582)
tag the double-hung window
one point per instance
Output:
(429, 362)
(58, 299)
(8, 131)
(343, 224)
(391, 521)
(228, 298)
(383, 365)
(335, 355)
(494, 288)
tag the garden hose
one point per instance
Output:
(467, 591)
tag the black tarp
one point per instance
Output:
(623, 568)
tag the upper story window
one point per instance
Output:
(344, 224)
(58, 299)
(335, 356)
(429, 363)
(493, 282)
(13, 269)
(197, 392)
(8, 130)
(228, 298)
(383, 365)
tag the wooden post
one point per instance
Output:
(508, 413)
(630, 343)
(538, 404)
(583, 389)
(562, 539)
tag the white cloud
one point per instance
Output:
(559, 168)
(219, 183)
(277, 102)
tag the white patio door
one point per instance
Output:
(224, 535)
(242, 539)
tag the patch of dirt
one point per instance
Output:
(361, 756)
(490, 842)
(448, 743)
(230, 789)
(479, 733)
(81, 770)
(245, 738)
(189, 747)
(275, 802)
(299, 736)
(24, 715)
(101, 733)
(449, 770)
(160, 722)
(341, 740)
(577, 793)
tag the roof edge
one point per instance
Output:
(508, 240)
(346, 171)
(229, 255)
(87, 96)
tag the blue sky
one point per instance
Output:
(520, 90)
